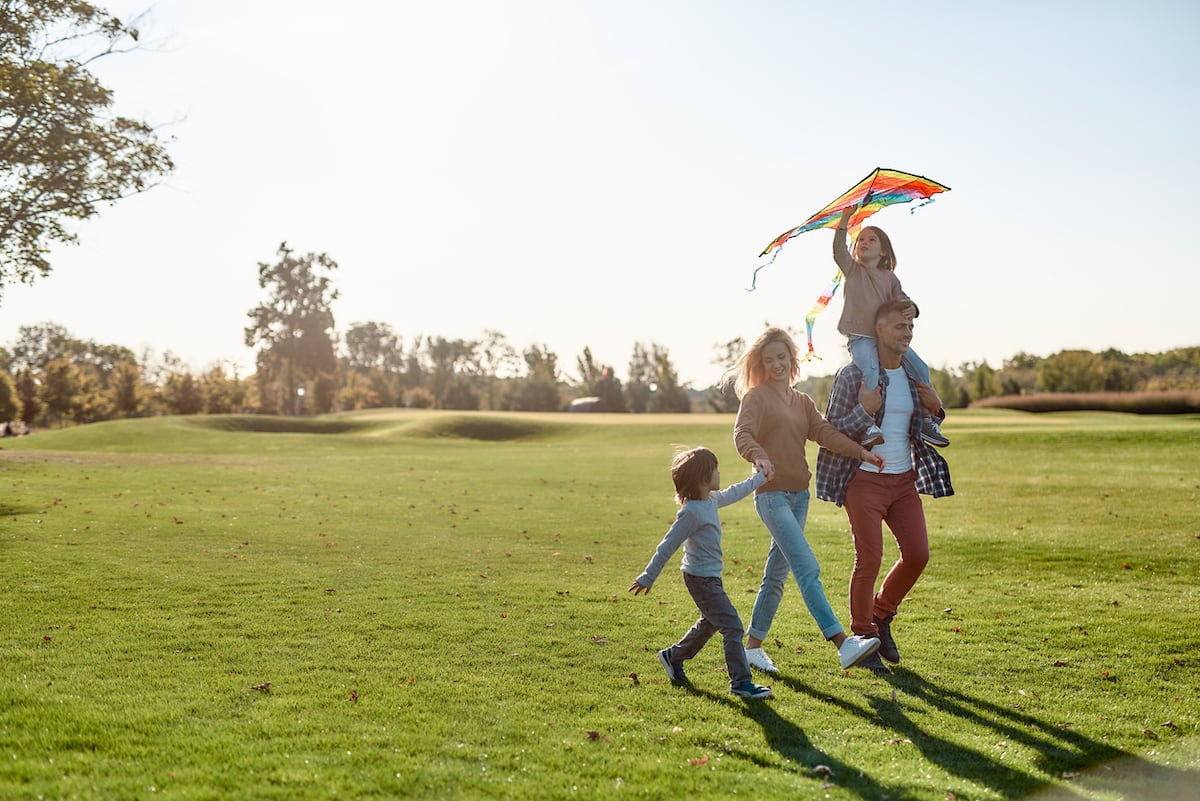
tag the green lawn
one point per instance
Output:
(433, 605)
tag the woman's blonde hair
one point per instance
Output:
(748, 371)
(691, 471)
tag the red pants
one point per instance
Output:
(871, 500)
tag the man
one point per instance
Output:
(872, 497)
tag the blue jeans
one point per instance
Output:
(716, 614)
(864, 353)
(784, 514)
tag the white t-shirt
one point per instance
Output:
(897, 414)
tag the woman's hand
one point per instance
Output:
(872, 457)
(638, 589)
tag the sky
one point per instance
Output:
(598, 173)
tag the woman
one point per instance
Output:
(774, 421)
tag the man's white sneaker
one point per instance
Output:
(855, 649)
(758, 658)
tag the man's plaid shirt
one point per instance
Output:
(834, 471)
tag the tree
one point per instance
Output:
(126, 395)
(295, 326)
(538, 390)
(63, 390)
(28, 391)
(222, 394)
(373, 346)
(447, 358)
(668, 395)
(598, 380)
(721, 397)
(1072, 371)
(10, 401)
(653, 383)
(983, 381)
(38, 345)
(63, 153)
(641, 379)
(493, 358)
(183, 394)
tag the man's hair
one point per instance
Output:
(691, 471)
(896, 305)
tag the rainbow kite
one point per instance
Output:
(879, 189)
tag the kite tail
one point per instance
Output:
(754, 278)
(818, 307)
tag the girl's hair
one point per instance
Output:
(691, 472)
(887, 259)
(748, 371)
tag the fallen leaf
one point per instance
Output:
(353, 696)
(701, 761)
(823, 770)
(593, 735)
(1060, 663)
(265, 687)
(635, 678)
(1170, 724)
(596, 638)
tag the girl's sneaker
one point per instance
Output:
(749, 689)
(931, 432)
(873, 437)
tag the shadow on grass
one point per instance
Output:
(271, 424)
(1060, 751)
(791, 743)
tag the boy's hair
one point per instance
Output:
(887, 257)
(691, 471)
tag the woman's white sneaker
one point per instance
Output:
(758, 658)
(855, 649)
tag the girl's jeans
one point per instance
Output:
(863, 353)
(784, 514)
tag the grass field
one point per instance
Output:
(433, 605)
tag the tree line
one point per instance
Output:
(305, 366)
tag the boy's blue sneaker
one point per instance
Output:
(674, 670)
(749, 689)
